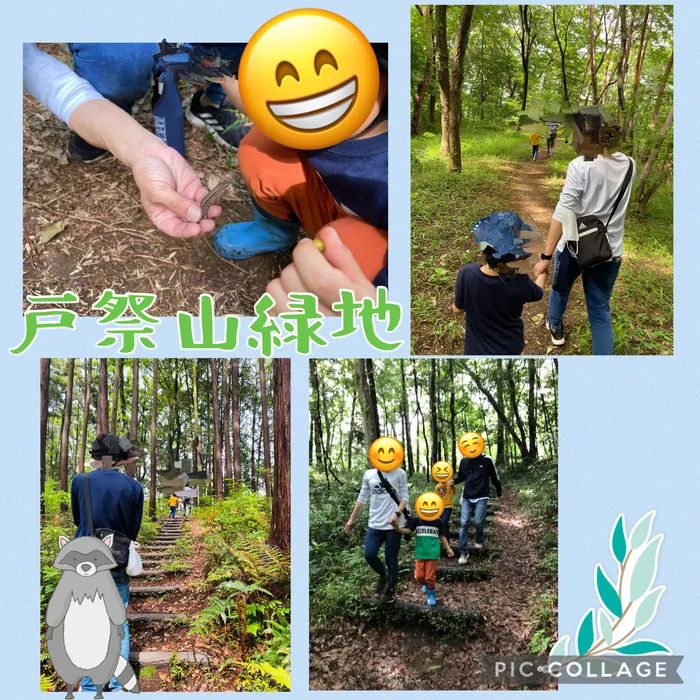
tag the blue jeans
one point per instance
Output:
(86, 685)
(172, 511)
(120, 72)
(598, 283)
(392, 543)
(445, 517)
(535, 151)
(470, 510)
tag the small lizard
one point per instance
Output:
(213, 197)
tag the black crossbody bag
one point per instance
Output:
(394, 497)
(120, 542)
(593, 245)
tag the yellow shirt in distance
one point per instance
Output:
(535, 139)
(446, 493)
(173, 501)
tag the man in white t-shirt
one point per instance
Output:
(377, 487)
(592, 185)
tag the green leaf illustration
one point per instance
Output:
(641, 531)
(585, 634)
(607, 593)
(648, 607)
(619, 541)
(561, 648)
(644, 570)
(644, 646)
(605, 626)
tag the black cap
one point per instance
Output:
(115, 446)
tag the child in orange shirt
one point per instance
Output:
(535, 143)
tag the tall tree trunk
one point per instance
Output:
(453, 425)
(500, 434)
(527, 39)
(424, 84)
(253, 470)
(434, 435)
(102, 410)
(562, 50)
(406, 421)
(591, 48)
(280, 529)
(115, 396)
(265, 426)
(351, 438)
(621, 67)
(368, 404)
(443, 74)
(236, 422)
(87, 396)
(44, 377)
(628, 126)
(65, 426)
(216, 419)
(197, 464)
(228, 462)
(531, 414)
(154, 427)
(662, 89)
(653, 157)
(516, 413)
(134, 424)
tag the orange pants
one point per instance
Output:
(286, 185)
(426, 572)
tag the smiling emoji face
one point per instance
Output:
(308, 79)
(471, 445)
(429, 506)
(386, 454)
(442, 472)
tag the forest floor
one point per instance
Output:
(418, 659)
(106, 241)
(499, 174)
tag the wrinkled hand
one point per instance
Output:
(349, 526)
(171, 192)
(541, 268)
(323, 274)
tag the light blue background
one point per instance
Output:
(628, 426)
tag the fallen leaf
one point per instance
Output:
(51, 231)
(537, 319)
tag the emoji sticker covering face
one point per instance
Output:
(471, 445)
(308, 79)
(429, 506)
(442, 472)
(386, 454)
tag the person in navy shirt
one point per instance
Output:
(492, 295)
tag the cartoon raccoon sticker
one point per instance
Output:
(86, 617)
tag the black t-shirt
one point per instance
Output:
(494, 307)
(428, 534)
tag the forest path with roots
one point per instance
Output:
(405, 654)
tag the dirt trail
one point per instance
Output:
(357, 656)
(527, 191)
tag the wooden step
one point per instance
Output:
(154, 562)
(161, 659)
(154, 617)
(153, 590)
(405, 614)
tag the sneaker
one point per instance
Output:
(432, 597)
(558, 337)
(380, 586)
(424, 588)
(83, 152)
(463, 558)
(478, 545)
(389, 596)
(226, 125)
